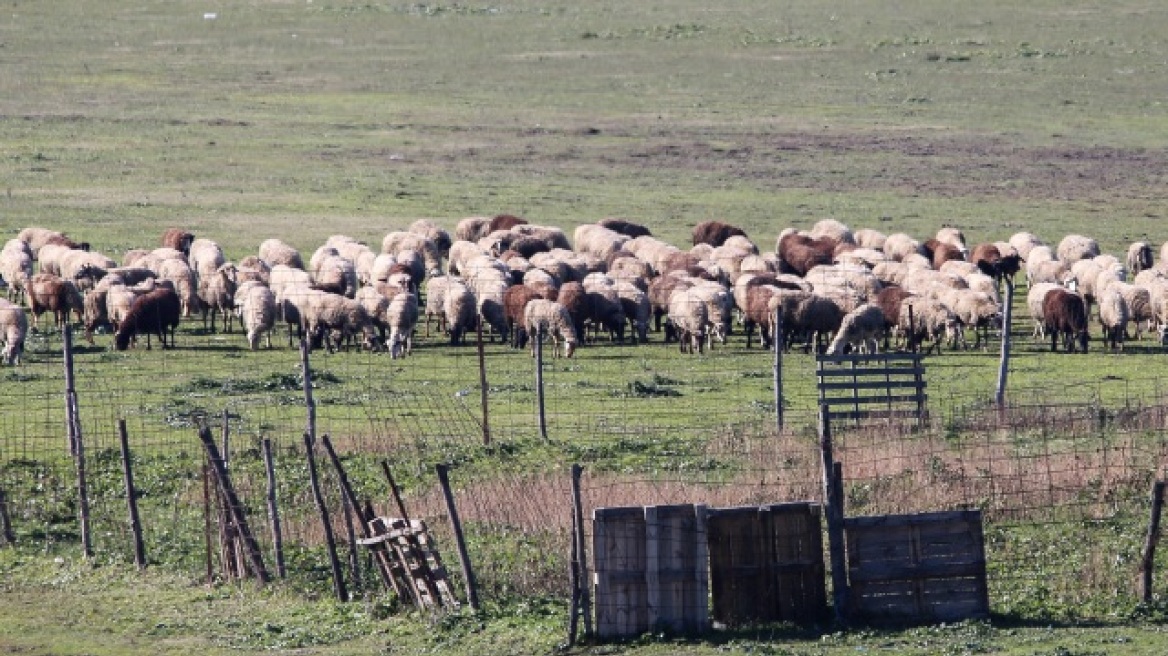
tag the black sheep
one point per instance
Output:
(155, 312)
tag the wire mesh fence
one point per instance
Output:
(1062, 485)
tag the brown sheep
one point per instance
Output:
(715, 233)
(574, 299)
(504, 222)
(54, 294)
(940, 252)
(798, 254)
(515, 301)
(1064, 313)
(156, 313)
(178, 239)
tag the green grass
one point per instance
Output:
(302, 120)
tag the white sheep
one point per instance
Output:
(542, 317)
(1077, 247)
(255, 305)
(834, 230)
(1113, 317)
(1034, 300)
(689, 317)
(402, 318)
(1023, 243)
(953, 237)
(861, 329)
(275, 252)
(217, 293)
(460, 310)
(185, 283)
(16, 268)
(205, 257)
(14, 330)
(898, 246)
(869, 238)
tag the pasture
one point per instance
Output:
(301, 120)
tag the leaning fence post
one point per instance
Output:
(274, 510)
(1149, 563)
(472, 588)
(483, 389)
(1004, 362)
(835, 518)
(353, 506)
(326, 524)
(538, 347)
(131, 496)
(251, 547)
(76, 449)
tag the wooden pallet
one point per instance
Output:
(408, 554)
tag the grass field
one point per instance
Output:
(243, 121)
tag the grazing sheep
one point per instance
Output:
(799, 254)
(606, 312)
(460, 309)
(574, 298)
(757, 311)
(14, 330)
(898, 246)
(1056, 271)
(436, 301)
(869, 238)
(120, 298)
(1065, 314)
(205, 257)
(833, 230)
(543, 317)
(719, 310)
(689, 318)
(435, 233)
(715, 233)
(977, 310)
(252, 268)
(275, 252)
(1139, 257)
(635, 303)
(627, 228)
(924, 319)
(334, 319)
(255, 305)
(1077, 247)
(599, 240)
(402, 317)
(489, 292)
(504, 222)
(16, 268)
(217, 295)
(953, 237)
(336, 275)
(515, 301)
(1140, 310)
(860, 329)
(942, 252)
(396, 243)
(1034, 300)
(375, 304)
(154, 313)
(38, 238)
(185, 283)
(1024, 242)
(56, 295)
(178, 239)
(1113, 317)
(472, 228)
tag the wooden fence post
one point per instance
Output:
(1147, 569)
(274, 510)
(483, 389)
(339, 588)
(76, 446)
(251, 547)
(1004, 361)
(580, 549)
(309, 403)
(6, 521)
(472, 588)
(226, 439)
(131, 496)
(353, 504)
(539, 382)
(778, 367)
(833, 513)
(207, 523)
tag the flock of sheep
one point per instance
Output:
(828, 288)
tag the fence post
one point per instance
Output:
(334, 563)
(1147, 569)
(538, 346)
(1004, 362)
(580, 548)
(778, 367)
(309, 403)
(6, 521)
(273, 509)
(833, 513)
(472, 591)
(353, 505)
(483, 389)
(70, 390)
(131, 496)
(207, 523)
(251, 547)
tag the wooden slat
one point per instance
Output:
(866, 400)
(877, 357)
(971, 516)
(620, 594)
(867, 372)
(873, 414)
(882, 384)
